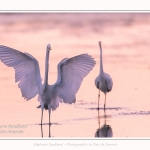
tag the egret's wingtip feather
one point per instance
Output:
(26, 69)
(71, 73)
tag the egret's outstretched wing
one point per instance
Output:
(70, 76)
(26, 70)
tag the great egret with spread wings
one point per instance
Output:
(103, 81)
(71, 72)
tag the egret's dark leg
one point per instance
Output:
(98, 99)
(42, 131)
(105, 102)
(42, 117)
(49, 130)
(99, 118)
(106, 130)
(49, 111)
(49, 119)
(49, 126)
(105, 115)
(41, 123)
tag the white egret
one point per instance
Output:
(103, 81)
(71, 72)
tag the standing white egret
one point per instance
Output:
(103, 81)
(71, 72)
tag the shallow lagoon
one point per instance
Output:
(125, 42)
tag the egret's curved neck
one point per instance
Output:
(101, 60)
(46, 68)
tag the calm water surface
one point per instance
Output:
(126, 52)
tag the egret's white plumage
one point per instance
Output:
(103, 81)
(71, 72)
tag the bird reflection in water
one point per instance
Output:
(49, 130)
(105, 130)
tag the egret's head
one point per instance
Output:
(49, 47)
(99, 42)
